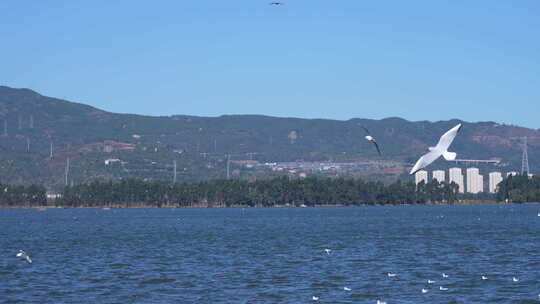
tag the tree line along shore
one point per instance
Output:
(280, 191)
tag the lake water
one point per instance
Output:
(273, 255)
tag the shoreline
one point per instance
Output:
(201, 206)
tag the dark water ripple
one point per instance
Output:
(272, 255)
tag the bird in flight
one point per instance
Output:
(440, 149)
(277, 3)
(371, 139)
(24, 256)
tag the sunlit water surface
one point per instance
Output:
(273, 255)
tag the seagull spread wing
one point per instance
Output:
(425, 160)
(376, 146)
(447, 138)
(365, 129)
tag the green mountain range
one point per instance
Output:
(43, 138)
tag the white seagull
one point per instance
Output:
(444, 275)
(24, 256)
(430, 281)
(327, 250)
(440, 149)
(391, 274)
(382, 302)
(371, 139)
(314, 298)
(484, 278)
(514, 279)
(347, 289)
(443, 288)
(425, 290)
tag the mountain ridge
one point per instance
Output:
(32, 123)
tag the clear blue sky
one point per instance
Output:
(420, 60)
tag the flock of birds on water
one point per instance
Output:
(423, 290)
(22, 255)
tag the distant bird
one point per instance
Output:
(425, 290)
(277, 3)
(370, 138)
(514, 279)
(380, 302)
(391, 274)
(347, 289)
(327, 250)
(444, 275)
(484, 278)
(443, 288)
(430, 281)
(314, 298)
(440, 149)
(24, 256)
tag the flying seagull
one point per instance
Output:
(371, 139)
(440, 149)
(24, 256)
(277, 3)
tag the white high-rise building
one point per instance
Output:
(421, 175)
(494, 179)
(456, 177)
(438, 175)
(475, 181)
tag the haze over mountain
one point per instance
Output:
(146, 147)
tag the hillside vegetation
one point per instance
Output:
(145, 147)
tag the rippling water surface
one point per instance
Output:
(273, 255)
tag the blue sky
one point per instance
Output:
(420, 60)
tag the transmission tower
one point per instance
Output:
(524, 158)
